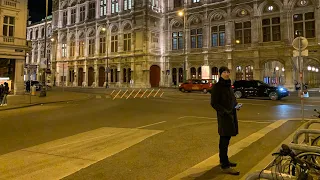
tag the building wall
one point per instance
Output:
(36, 34)
(152, 27)
(13, 45)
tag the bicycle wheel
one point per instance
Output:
(312, 159)
(316, 141)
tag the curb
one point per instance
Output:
(53, 102)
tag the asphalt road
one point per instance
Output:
(143, 138)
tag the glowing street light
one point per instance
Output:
(52, 39)
(309, 68)
(103, 29)
(277, 68)
(238, 41)
(180, 13)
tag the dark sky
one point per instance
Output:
(37, 9)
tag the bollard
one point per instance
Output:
(33, 90)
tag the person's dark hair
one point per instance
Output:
(222, 69)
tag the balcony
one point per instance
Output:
(9, 3)
(7, 40)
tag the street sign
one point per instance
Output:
(303, 43)
(303, 53)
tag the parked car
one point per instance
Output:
(203, 85)
(256, 88)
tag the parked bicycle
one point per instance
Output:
(289, 165)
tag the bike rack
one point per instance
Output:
(304, 131)
(308, 124)
(267, 175)
(304, 148)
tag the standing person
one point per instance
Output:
(224, 102)
(5, 92)
(1, 93)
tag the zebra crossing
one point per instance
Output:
(132, 94)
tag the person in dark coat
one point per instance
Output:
(224, 102)
(5, 93)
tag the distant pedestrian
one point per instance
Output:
(224, 102)
(5, 94)
(1, 93)
(28, 86)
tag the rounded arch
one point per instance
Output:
(113, 27)
(177, 22)
(264, 61)
(217, 15)
(239, 8)
(193, 17)
(90, 32)
(125, 25)
(81, 34)
(72, 3)
(312, 61)
(292, 3)
(265, 3)
(63, 37)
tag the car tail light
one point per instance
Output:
(210, 85)
(232, 87)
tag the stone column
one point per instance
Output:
(96, 73)
(289, 75)
(66, 74)
(75, 81)
(120, 76)
(85, 74)
(18, 77)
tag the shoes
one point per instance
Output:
(230, 171)
(232, 164)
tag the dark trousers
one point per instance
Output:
(223, 151)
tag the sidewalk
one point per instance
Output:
(55, 96)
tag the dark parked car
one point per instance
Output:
(256, 88)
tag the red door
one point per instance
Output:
(154, 76)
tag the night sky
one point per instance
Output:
(37, 9)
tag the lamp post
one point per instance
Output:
(43, 92)
(107, 49)
(183, 13)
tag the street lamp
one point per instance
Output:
(309, 68)
(183, 13)
(43, 92)
(237, 41)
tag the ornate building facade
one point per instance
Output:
(147, 43)
(35, 34)
(13, 44)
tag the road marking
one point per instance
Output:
(124, 94)
(248, 121)
(63, 157)
(150, 93)
(206, 165)
(143, 93)
(156, 93)
(137, 93)
(116, 94)
(130, 94)
(151, 124)
(98, 97)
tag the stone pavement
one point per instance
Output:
(53, 96)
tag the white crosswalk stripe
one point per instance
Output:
(63, 157)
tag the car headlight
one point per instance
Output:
(282, 90)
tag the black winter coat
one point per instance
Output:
(224, 102)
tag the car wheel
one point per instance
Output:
(273, 96)
(238, 94)
(182, 90)
(205, 91)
